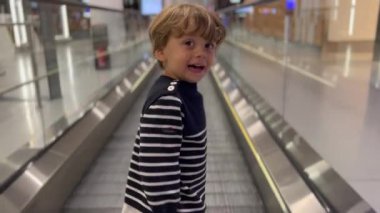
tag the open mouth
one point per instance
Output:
(196, 68)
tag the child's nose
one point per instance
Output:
(200, 51)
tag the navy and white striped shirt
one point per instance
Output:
(168, 167)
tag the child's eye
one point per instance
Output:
(210, 45)
(189, 43)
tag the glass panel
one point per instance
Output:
(318, 66)
(247, 29)
(78, 53)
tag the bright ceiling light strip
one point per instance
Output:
(65, 25)
(12, 6)
(347, 62)
(336, 10)
(352, 18)
(21, 19)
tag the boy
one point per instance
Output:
(168, 166)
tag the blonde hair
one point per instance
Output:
(185, 19)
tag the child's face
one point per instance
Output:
(187, 58)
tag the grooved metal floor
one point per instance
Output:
(229, 185)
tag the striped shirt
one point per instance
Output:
(168, 166)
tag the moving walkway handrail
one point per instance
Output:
(17, 161)
(77, 4)
(36, 79)
(343, 198)
(4, 184)
(242, 5)
(279, 198)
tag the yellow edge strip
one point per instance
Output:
(262, 166)
(142, 77)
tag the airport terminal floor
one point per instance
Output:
(293, 119)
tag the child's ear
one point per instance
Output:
(159, 55)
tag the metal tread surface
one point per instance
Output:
(229, 186)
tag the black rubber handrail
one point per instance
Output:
(76, 4)
(238, 6)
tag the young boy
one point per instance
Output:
(168, 166)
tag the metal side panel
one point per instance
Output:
(281, 186)
(270, 202)
(102, 187)
(330, 188)
(48, 181)
(230, 186)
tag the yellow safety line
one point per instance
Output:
(253, 149)
(142, 77)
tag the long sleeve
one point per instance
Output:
(167, 170)
(161, 129)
